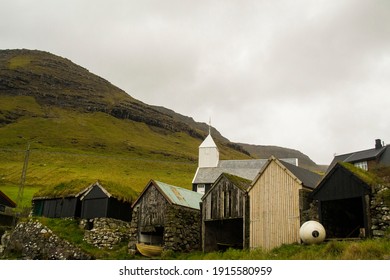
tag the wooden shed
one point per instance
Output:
(59, 206)
(167, 216)
(344, 201)
(77, 199)
(223, 210)
(97, 202)
(277, 198)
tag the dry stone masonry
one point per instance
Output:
(181, 230)
(380, 211)
(34, 241)
(105, 232)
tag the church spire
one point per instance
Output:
(209, 125)
(208, 151)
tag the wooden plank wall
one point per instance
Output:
(152, 209)
(225, 201)
(274, 209)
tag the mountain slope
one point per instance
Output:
(82, 126)
(55, 81)
(260, 151)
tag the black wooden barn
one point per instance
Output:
(63, 207)
(97, 202)
(344, 201)
(223, 207)
(79, 201)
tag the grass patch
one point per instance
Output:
(370, 249)
(19, 61)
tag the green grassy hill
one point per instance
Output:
(68, 145)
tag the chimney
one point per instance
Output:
(378, 144)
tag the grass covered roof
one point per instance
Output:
(77, 187)
(370, 178)
(239, 182)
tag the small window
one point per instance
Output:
(362, 164)
(201, 188)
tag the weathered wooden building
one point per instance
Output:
(166, 216)
(277, 197)
(346, 198)
(78, 200)
(223, 210)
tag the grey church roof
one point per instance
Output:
(247, 169)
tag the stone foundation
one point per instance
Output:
(181, 230)
(105, 232)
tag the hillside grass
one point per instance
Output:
(48, 169)
(19, 61)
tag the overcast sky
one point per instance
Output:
(308, 75)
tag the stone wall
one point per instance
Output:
(380, 211)
(31, 240)
(308, 208)
(105, 232)
(133, 231)
(181, 229)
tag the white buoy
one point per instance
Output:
(312, 232)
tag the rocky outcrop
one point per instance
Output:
(32, 240)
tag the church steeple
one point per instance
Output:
(208, 152)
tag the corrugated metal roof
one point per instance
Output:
(180, 196)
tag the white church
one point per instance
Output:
(210, 167)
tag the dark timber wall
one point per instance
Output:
(223, 221)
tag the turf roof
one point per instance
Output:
(368, 177)
(77, 187)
